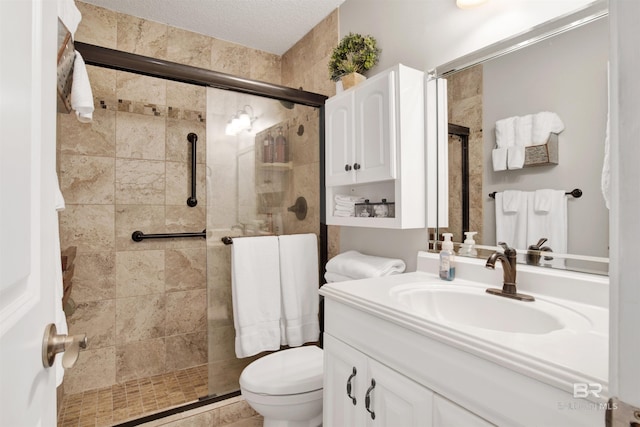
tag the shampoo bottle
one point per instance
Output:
(447, 261)
(468, 247)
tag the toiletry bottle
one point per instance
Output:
(447, 261)
(267, 149)
(468, 247)
(280, 155)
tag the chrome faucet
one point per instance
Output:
(508, 260)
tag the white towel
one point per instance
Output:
(499, 159)
(81, 94)
(524, 130)
(544, 124)
(515, 157)
(344, 213)
(347, 199)
(551, 224)
(60, 318)
(506, 132)
(341, 207)
(69, 14)
(356, 265)
(255, 286)
(511, 226)
(510, 200)
(542, 200)
(331, 277)
(299, 288)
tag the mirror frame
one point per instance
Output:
(592, 12)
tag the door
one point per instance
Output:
(345, 369)
(375, 129)
(27, 213)
(339, 136)
(395, 400)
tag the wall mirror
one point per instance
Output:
(558, 67)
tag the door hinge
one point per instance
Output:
(621, 414)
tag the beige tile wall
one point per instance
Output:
(143, 305)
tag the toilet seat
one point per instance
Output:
(284, 373)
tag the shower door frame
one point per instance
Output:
(124, 61)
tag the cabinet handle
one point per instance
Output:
(367, 399)
(356, 166)
(347, 167)
(353, 398)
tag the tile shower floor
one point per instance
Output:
(133, 399)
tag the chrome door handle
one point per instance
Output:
(52, 344)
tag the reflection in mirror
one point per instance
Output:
(565, 74)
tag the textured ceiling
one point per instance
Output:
(270, 25)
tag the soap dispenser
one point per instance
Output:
(468, 247)
(447, 261)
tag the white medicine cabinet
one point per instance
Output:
(375, 149)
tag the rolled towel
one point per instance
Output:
(524, 131)
(544, 124)
(515, 157)
(348, 208)
(506, 132)
(344, 213)
(360, 266)
(499, 159)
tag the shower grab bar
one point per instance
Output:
(193, 138)
(575, 193)
(139, 236)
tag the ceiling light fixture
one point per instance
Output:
(468, 4)
(240, 121)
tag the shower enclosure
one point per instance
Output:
(157, 310)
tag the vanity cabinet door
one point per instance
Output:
(395, 400)
(446, 414)
(345, 369)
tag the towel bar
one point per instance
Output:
(576, 192)
(228, 240)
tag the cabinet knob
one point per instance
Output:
(353, 398)
(367, 399)
(356, 166)
(347, 167)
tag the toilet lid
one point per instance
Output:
(291, 371)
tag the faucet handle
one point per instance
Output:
(507, 250)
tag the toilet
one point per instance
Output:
(286, 387)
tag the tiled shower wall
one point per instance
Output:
(143, 305)
(465, 109)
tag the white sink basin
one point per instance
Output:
(471, 306)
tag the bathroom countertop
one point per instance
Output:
(559, 358)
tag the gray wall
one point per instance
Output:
(424, 35)
(567, 75)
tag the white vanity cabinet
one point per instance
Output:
(375, 147)
(358, 391)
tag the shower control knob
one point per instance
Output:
(347, 167)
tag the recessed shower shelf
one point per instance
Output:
(277, 166)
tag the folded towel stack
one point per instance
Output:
(513, 134)
(346, 205)
(353, 265)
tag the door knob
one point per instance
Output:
(52, 344)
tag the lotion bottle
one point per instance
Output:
(447, 258)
